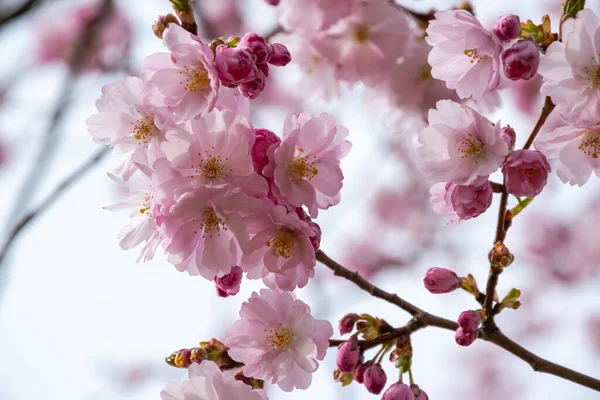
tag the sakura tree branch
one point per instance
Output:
(424, 18)
(422, 319)
(68, 182)
(546, 111)
(18, 12)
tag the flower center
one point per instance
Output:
(590, 143)
(211, 167)
(361, 33)
(197, 79)
(145, 207)
(593, 75)
(211, 223)
(144, 130)
(282, 244)
(471, 147)
(302, 168)
(279, 336)
(474, 55)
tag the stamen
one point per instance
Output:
(472, 147)
(282, 244)
(197, 79)
(590, 143)
(474, 55)
(361, 33)
(279, 336)
(302, 168)
(210, 223)
(144, 130)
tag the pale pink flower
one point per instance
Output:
(577, 151)
(306, 166)
(571, 70)
(142, 226)
(128, 121)
(316, 15)
(207, 382)
(366, 43)
(290, 279)
(460, 145)
(185, 80)
(207, 232)
(213, 151)
(278, 340)
(464, 54)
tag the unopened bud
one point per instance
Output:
(500, 256)
(359, 374)
(469, 320)
(348, 355)
(510, 136)
(198, 354)
(346, 324)
(465, 338)
(375, 379)
(508, 27)
(162, 23)
(441, 280)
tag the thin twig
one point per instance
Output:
(18, 12)
(69, 181)
(424, 18)
(546, 111)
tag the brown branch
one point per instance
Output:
(546, 111)
(18, 12)
(422, 319)
(69, 181)
(423, 18)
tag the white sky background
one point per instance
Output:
(77, 313)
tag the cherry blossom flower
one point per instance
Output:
(185, 80)
(367, 42)
(207, 232)
(316, 15)
(281, 242)
(207, 382)
(460, 145)
(464, 54)
(571, 70)
(278, 340)
(525, 173)
(229, 284)
(128, 121)
(306, 166)
(462, 201)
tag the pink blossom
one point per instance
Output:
(265, 141)
(464, 337)
(207, 232)
(253, 88)
(460, 145)
(521, 61)
(280, 242)
(464, 54)
(306, 166)
(510, 136)
(258, 46)
(348, 355)
(398, 391)
(374, 379)
(316, 15)
(525, 173)
(127, 120)
(571, 70)
(235, 65)
(213, 151)
(463, 201)
(207, 382)
(278, 340)
(508, 27)
(280, 55)
(441, 280)
(229, 284)
(359, 374)
(185, 80)
(366, 43)
(469, 320)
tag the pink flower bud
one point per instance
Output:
(469, 320)
(510, 136)
(464, 337)
(346, 324)
(398, 391)
(508, 27)
(315, 235)
(229, 284)
(235, 65)
(441, 280)
(470, 201)
(253, 88)
(348, 355)
(359, 375)
(419, 393)
(375, 379)
(521, 61)
(263, 142)
(525, 173)
(258, 46)
(280, 56)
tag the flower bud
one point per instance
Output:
(470, 201)
(315, 239)
(500, 256)
(346, 324)
(359, 374)
(508, 27)
(348, 355)
(253, 88)
(398, 391)
(229, 284)
(374, 379)
(465, 338)
(469, 320)
(510, 136)
(521, 61)
(280, 56)
(441, 280)
(235, 65)
(259, 47)
(198, 354)
(162, 23)
(419, 393)
(525, 173)
(264, 140)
